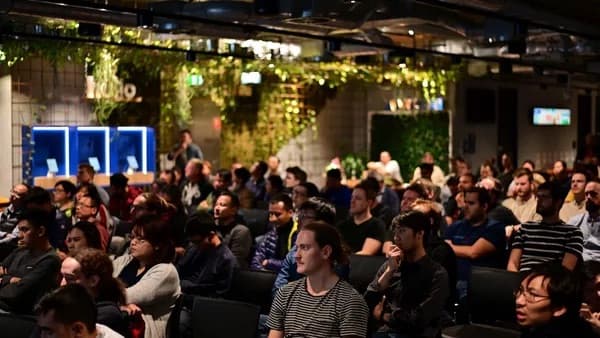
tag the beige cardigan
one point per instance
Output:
(155, 294)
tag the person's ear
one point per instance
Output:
(95, 280)
(78, 329)
(559, 311)
(41, 231)
(326, 251)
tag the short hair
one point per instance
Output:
(335, 174)
(556, 192)
(452, 180)
(583, 172)
(324, 211)
(67, 186)
(326, 234)
(368, 189)
(37, 218)
(311, 189)
(469, 175)
(483, 196)
(69, 304)
(565, 287)
(283, 198)
(95, 262)
(200, 224)
(225, 175)
(87, 167)
(90, 232)
(530, 162)
(37, 197)
(92, 193)
(419, 189)
(298, 173)
(243, 174)
(262, 167)
(276, 182)
(197, 163)
(185, 131)
(119, 180)
(524, 172)
(159, 234)
(170, 173)
(235, 200)
(415, 220)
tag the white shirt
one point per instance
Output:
(106, 332)
(393, 169)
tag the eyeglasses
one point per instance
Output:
(530, 297)
(591, 193)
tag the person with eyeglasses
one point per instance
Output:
(589, 222)
(548, 301)
(9, 219)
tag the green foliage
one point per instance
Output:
(353, 165)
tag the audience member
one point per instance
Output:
(560, 176)
(497, 211)
(64, 198)
(476, 240)
(176, 215)
(549, 239)
(195, 189)
(385, 195)
(436, 176)
(93, 269)
(300, 307)
(590, 308)
(207, 267)
(378, 209)
(335, 192)
(31, 270)
(548, 303)
(589, 222)
(508, 169)
(363, 233)
(236, 236)
(412, 193)
(293, 177)
(410, 290)
(277, 242)
(87, 209)
(121, 196)
(523, 203)
(70, 312)
(273, 164)
(257, 181)
(387, 167)
(273, 187)
(152, 282)
(576, 206)
(302, 192)
(83, 235)
(9, 219)
(85, 175)
(167, 177)
(241, 177)
(185, 150)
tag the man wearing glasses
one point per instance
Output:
(9, 218)
(548, 302)
(589, 222)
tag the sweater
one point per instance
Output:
(156, 294)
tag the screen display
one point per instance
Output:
(551, 116)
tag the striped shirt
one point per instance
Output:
(543, 242)
(342, 311)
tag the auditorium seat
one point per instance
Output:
(253, 287)
(220, 318)
(17, 326)
(257, 220)
(363, 270)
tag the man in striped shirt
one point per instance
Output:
(548, 240)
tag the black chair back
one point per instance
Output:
(17, 326)
(173, 323)
(257, 220)
(252, 287)
(363, 270)
(220, 318)
(491, 299)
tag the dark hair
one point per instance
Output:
(556, 192)
(225, 175)
(415, 220)
(174, 195)
(94, 262)
(563, 163)
(483, 196)
(159, 234)
(67, 186)
(276, 182)
(583, 172)
(298, 173)
(91, 233)
(530, 162)
(469, 175)
(489, 164)
(87, 167)
(243, 174)
(524, 172)
(335, 174)
(326, 234)
(419, 189)
(92, 193)
(235, 200)
(37, 218)
(170, 173)
(200, 224)
(324, 211)
(368, 189)
(311, 189)
(185, 131)
(262, 167)
(119, 180)
(37, 197)
(564, 286)
(285, 199)
(70, 303)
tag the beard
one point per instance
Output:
(591, 207)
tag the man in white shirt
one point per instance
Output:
(386, 166)
(437, 176)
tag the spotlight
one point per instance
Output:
(190, 56)
(411, 32)
(145, 20)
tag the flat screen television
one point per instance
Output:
(551, 116)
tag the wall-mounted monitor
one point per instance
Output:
(551, 116)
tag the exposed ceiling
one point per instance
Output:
(549, 33)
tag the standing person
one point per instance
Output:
(410, 290)
(548, 240)
(320, 304)
(185, 150)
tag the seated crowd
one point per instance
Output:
(128, 263)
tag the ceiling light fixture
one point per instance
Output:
(411, 32)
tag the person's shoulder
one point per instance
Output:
(106, 332)
(494, 223)
(347, 289)
(240, 228)
(376, 222)
(290, 287)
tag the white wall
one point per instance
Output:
(6, 179)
